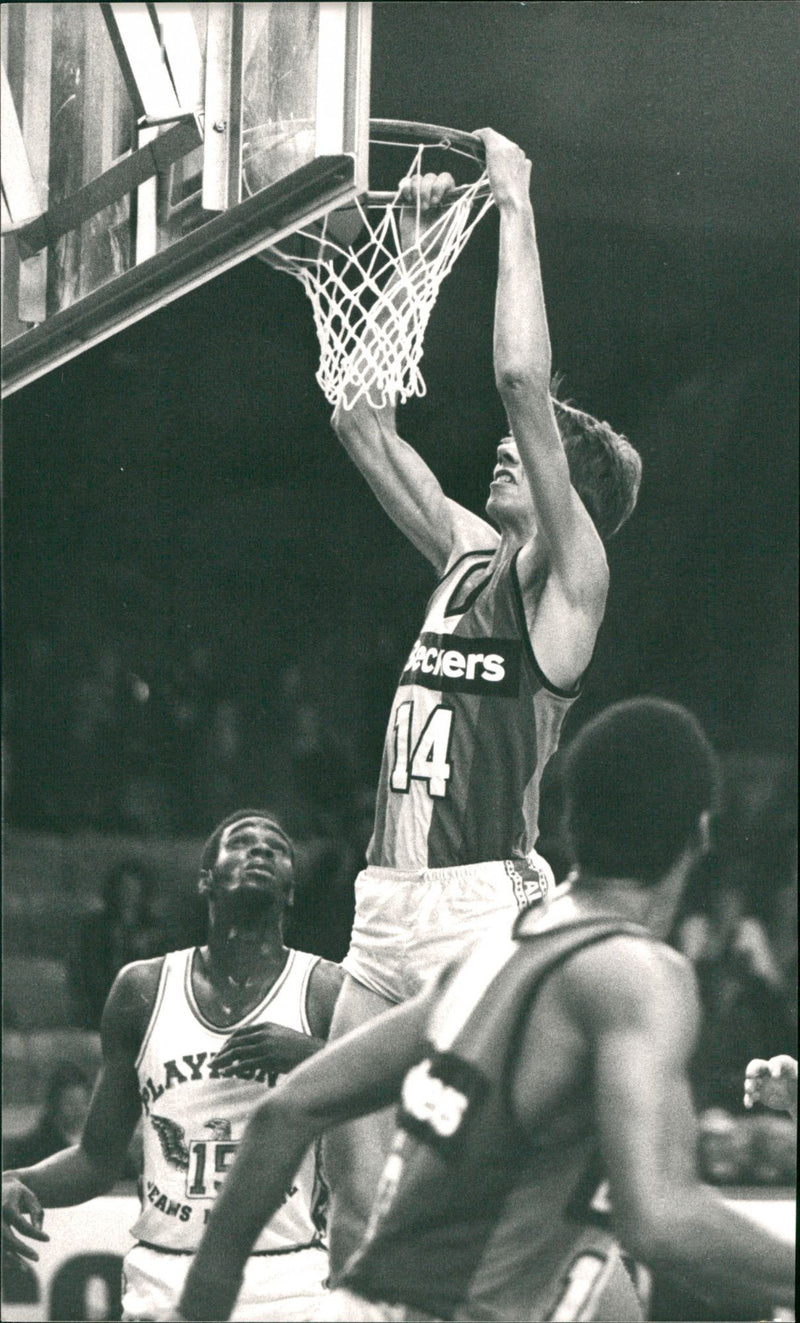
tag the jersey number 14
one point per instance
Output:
(428, 761)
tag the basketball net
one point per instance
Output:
(372, 298)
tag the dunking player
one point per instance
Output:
(192, 1041)
(545, 1061)
(507, 636)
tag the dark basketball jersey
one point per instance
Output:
(472, 726)
(474, 1218)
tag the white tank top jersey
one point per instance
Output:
(194, 1120)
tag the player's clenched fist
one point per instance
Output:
(428, 190)
(22, 1213)
(507, 165)
(773, 1083)
(422, 197)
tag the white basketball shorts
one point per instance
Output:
(277, 1288)
(409, 925)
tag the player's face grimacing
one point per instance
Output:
(509, 492)
(254, 856)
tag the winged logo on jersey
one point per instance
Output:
(172, 1138)
(220, 1129)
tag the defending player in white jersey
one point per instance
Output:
(192, 1042)
(508, 634)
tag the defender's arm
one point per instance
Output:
(93, 1166)
(357, 1074)
(643, 1026)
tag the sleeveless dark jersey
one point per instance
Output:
(475, 1219)
(472, 726)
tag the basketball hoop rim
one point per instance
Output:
(410, 133)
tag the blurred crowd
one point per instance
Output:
(106, 736)
(147, 749)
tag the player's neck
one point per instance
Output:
(244, 949)
(512, 539)
(652, 906)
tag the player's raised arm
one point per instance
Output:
(404, 484)
(93, 1166)
(408, 490)
(351, 1077)
(523, 365)
(644, 1029)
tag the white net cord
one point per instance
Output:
(372, 299)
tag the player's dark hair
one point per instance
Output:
(637, 779)
(604, 467)
(211, 848)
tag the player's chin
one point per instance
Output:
(500, 498)
(259, 886)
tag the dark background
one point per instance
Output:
(177, 492)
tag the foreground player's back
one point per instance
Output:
(484, 1212)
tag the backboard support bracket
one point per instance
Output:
(152, 159)
(205, 253)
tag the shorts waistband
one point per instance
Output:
(460, 871)
(254, 1254)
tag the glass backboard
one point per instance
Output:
(148, 147)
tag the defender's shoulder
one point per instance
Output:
(324, 987)
(628, 976)
(131, 1000)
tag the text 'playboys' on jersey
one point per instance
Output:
(472, 726)
(194, 1119)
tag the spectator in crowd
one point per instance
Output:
(125, 929)
(772, 1083)
(61, 1122)
(743, 987)
(729, 929)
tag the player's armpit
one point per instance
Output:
(575, 549)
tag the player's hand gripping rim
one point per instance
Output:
(422, 198)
